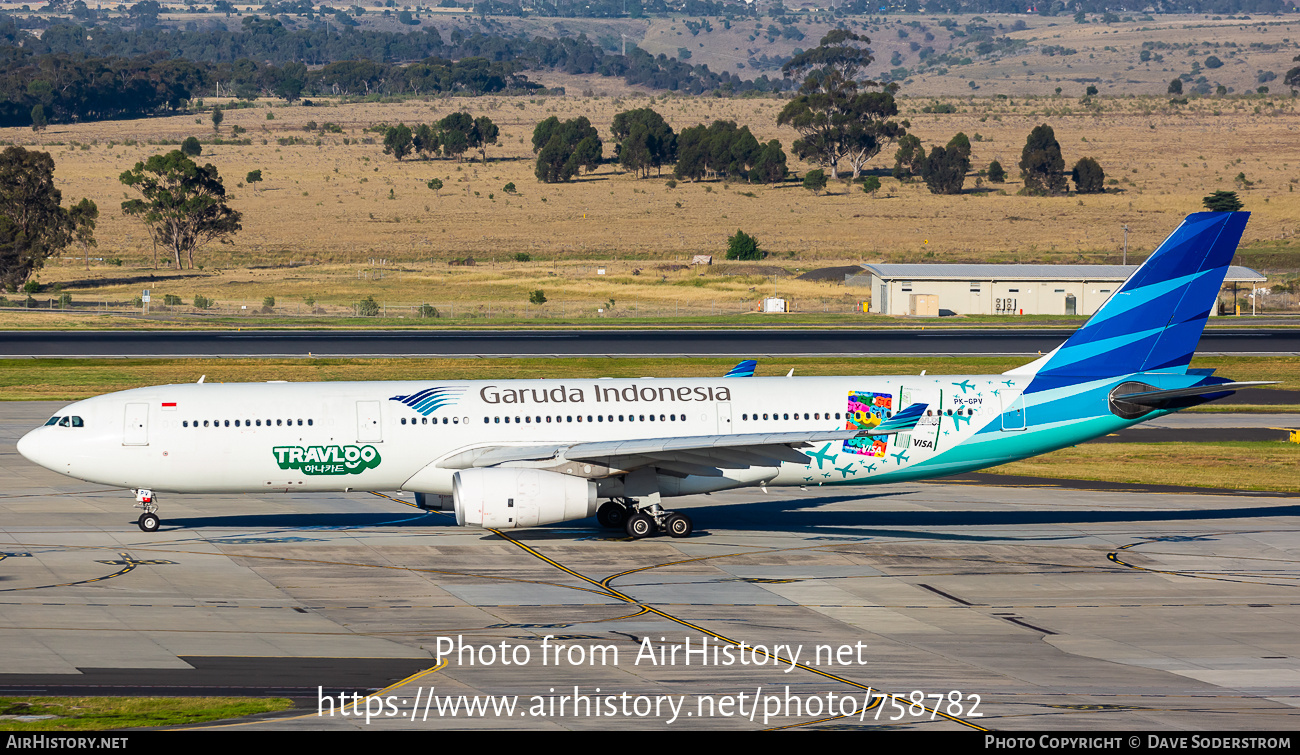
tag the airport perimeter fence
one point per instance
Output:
(431, 310)
(480, 311)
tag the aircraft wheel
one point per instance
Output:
(639, 526)
(679, 525)
(148, 522)
(612, 515)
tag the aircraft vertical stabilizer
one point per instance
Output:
(1155, 320)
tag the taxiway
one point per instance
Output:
(1079, 607)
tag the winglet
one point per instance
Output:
(899, 423)
(744, 369)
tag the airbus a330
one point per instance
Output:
(523, 453)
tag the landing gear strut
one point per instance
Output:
(148, 521)
(640, 520)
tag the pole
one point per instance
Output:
(1126, 244)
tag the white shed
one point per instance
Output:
(1005, 289)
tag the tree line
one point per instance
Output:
(181, 204)
(563, 149)
(1042, 166)
(68, 89)
(150, 70)
(1071, 7)
(644, 142)
(33, 222)
(842, 119)
(454, 135)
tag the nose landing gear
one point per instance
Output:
(148, 521)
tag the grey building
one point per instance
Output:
(1005, 289)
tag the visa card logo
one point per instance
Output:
(430, 400)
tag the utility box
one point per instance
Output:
(923, 305)
(777, 305)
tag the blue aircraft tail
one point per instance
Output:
(1154, 321)
(744, 369)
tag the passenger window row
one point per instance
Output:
(246, 423)
(589, 418)
(969, 412)
(774, 415)
(960, 413)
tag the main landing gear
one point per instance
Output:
(148, 521)
(639, 520)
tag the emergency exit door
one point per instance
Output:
(724, 418)
(135, 429)
(1013, 412)
(925, 436)
(369, 427)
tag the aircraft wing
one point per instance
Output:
(690, 454)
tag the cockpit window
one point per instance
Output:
(65, 422)
(76, 422)
(53, 421)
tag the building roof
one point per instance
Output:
(1236, 273)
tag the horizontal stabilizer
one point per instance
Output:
(1155, 397)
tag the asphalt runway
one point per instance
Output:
(738, 343)
(1019, 604)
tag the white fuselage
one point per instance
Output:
(229, 438)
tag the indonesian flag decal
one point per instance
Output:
(169, 406)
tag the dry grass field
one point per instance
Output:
(358, 222)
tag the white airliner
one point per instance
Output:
(522, 453)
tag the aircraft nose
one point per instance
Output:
(30, 445)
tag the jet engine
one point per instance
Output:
(509, 498)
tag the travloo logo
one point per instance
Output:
(327, 460)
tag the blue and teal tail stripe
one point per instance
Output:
(1155, 320)
(744, 369)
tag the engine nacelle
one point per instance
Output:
(511, 498)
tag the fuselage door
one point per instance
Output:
(903, 440)
(369, 427)
(925, 436)
(135, 430)
(1013, 412)
(724, 418)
